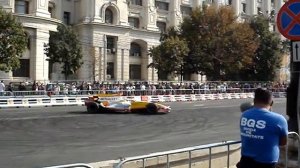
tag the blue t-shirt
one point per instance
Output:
(261, 131)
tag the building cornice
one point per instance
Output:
(124, 28)
(37, 18)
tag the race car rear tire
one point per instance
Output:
(151, 108)
(93, 108)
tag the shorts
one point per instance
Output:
(248, 162)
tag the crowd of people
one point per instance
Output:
(137, 88)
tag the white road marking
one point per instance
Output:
(199, 105)
(133, 144)
(222, 106)
(35, 118)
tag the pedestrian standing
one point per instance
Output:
(2, 88)
(262, 133)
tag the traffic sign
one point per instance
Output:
(288, 20)
(296, 51)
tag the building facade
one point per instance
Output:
(115, 34)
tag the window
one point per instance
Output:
(109, 16)
(136, 2)
(110, 70)
(185, 10)
(110, 43)
(67, 16)
(272, 3)
(21, 7)
(161, 26)
(162, 5)
(259, 11)
(274, 27)
(135, 50)
(244, 7)
(23, 71)
(134, 22)
(135, 72)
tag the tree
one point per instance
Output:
(168, 57)
(268, 56)
(218, 43)
(13, 41)
(64, 48)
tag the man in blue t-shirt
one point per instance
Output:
(262, 132)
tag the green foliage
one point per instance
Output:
(168, 57)
(218, 43)
(13, 41)
(268, 56)
(64, 47)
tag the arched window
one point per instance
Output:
(135, 50)
(109, 16)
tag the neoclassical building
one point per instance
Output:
(115, 34)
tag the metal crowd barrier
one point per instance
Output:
(184, 150)
(287, 146)
(189, 150)
(77, 165)
(127, 92)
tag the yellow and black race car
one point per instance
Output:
(111, 104)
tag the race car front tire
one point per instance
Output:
(151, 108)
(93, 108)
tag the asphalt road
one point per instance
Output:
(38, 137)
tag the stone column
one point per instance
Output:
(236, 6)
(97, 56)
(122, 57)
(175, 12)
(39, 65)
(104, 59)
(266, 4)
(151, 72)
(118, 64)
(101, 64)
(252, 7)
(85, 13)
(8, 5)
(150, 15)
(277, 6)
(40, 8)
(97, 6)
(197, 3)
(126, 64)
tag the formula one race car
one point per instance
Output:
(110, 104)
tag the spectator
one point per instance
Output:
(2, 88)
(34, 86)
(143, 89)
(262, 132)
(22, 86)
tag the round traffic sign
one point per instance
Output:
(288, 20)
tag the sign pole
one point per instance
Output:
(288, 24)
(292, 94)
(297, 52)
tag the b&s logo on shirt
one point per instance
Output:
(249, 127)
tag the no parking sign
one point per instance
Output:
(288, 20)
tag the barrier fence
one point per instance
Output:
(296, 135)
(189, 150)
(129, 92)
(72, 100)
(144, 158)
(77, 165)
